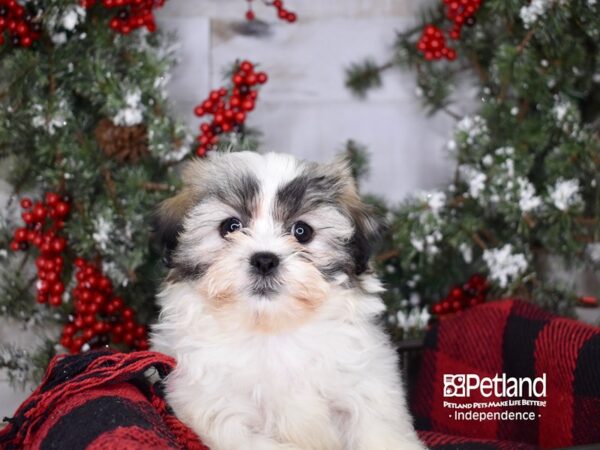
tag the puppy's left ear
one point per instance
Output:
(368, 225)
(168, 222)
(367, 231)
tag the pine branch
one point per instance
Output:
(364, 76)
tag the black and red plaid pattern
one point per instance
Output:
(520, 340)
(100, 400)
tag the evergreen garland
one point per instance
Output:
(526, 189)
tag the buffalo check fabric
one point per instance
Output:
(517, 339)
(100, 400)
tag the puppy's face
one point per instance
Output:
(263, 238)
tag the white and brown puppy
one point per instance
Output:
(270, 310)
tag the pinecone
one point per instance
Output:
(123, 144)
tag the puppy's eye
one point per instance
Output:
(230, 225)
(302, 232)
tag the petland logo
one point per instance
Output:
(462, 385)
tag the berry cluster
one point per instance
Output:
(433, 44)
(461, 13)
(282, 13)
(131, 14)
(472, 293)
(14, 19)
(589, 301)
(228, 108)
(44, 222)
(100, 317)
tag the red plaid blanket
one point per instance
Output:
(100, 400)
(519, 340)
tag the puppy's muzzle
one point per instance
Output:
(264, 263)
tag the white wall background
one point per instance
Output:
(305, 109)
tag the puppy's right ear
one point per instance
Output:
(168, 222)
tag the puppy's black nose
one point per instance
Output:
(264, 262)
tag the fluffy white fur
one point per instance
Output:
(306, 369)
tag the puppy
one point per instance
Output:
(269, 309)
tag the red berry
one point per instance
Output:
(86, 295)
(59, 244)
(151, 26)
(26, 203)
(250, 15)
(262, 77)
(117, 303)
(21, 234)
(77, 344)
(58, 288)
(62, 209)
(43, 286)
(140, 331)
(246, 66)
(240, 117)
(28, 217)
(456, 293)
(51, 277)
(89, 319)
(26, 41)
(69, 330)
(55, 300)
(98, 299)
(128, 338)
(66, 341)
(129, 325)
(128, 313)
